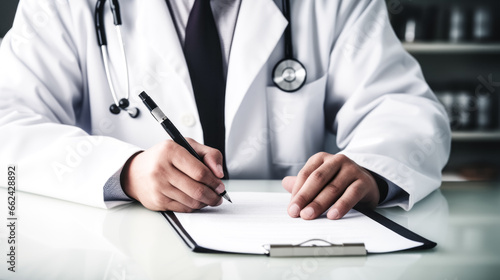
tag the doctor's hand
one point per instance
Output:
(168, 177)
(330, 181)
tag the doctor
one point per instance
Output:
(392, 134)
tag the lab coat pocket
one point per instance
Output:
(296, 122)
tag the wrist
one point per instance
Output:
(125, 177)
(382, 186)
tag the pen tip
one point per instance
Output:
(226, 196)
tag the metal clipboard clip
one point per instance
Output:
(314, 250)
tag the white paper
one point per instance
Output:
(254, 220)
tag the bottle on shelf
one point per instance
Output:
(452, 23)
(470, 112)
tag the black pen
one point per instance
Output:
(171, 130)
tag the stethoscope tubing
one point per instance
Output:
(288, 74)
(288, 30)
(103, 42)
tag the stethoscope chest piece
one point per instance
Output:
(289, 75)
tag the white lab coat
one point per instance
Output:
(361, 86)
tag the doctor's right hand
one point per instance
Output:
(166, 177)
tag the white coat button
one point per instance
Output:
(188, 120)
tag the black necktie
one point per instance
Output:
(204, 59)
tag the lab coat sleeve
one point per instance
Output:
(44, 114)
(388, 119)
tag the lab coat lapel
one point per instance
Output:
(259, 27)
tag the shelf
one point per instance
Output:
(476, 136)
(472, 48)
(453, 177)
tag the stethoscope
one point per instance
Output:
(289, 74)
(123, 103)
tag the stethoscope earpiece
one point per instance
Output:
(115, 110)
(102, 41)
(123, 105)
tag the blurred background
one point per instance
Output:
(7, 11)
(457, 43)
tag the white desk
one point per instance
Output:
(62, 240)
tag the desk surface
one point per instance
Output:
(62, 240)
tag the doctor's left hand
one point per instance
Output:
(330, 181)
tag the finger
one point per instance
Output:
(353, 194)
(316, 181)
(211, 157)
(312, 164)
(345, 176)
(190, 192)
(178, 207)
(288, 183)
(348, 173)
(344, 173)
(166, 204)
(195, 169)
(190, 203)
(321, 202)
(176, 194)
(168, 198)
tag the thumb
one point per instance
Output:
(288, 183)
(212, 158)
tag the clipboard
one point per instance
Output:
(308, 248)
